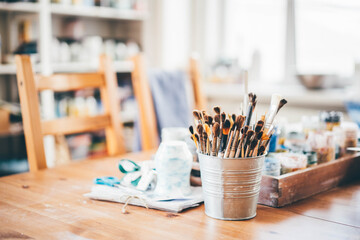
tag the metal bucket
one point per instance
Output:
(231, 186)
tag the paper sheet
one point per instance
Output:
(121, 195)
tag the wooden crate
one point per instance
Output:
(291, 187)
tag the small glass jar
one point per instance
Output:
(173, 162)
(323, 143)
(330, 120)
(350, 130)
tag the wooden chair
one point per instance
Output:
(147, 117)
(35, 128)
(195, 78)
(148, 126)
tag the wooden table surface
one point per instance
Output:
(50, 205)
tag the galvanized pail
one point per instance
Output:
(231, 186)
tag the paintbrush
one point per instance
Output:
(206, 141)
(222, 121)
(199, 130)
(251, 148)
(249, 135)
(216, 132)
(258, 137)
(197, 117)
(217, 118)
(239, 123)
(244, 131)
(217, 110)
(261, 150)
(197, 139)
(223, 140)
(191, 129)
(251, 108)
(281, 104)
(231, 136)
(277, 102)
(231, 121)
(210, 120)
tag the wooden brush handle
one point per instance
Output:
(227, 151)
(213, 149)
(234, 145)
(238, 151)
(222, 145)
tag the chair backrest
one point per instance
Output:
(147, 116)
(35, 128)
(195, 77)
(147, 121)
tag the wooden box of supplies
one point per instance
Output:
(291, 187)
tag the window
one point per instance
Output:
(255, 35)
(327, 36)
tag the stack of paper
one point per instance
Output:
(122, 194)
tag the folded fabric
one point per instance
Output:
(171, 101)
(138, 198)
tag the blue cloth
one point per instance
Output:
(170, 101)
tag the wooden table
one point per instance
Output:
(50, 205)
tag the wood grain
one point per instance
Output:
(111, 102)
(71, 125)
(291, 187)
(147, 117)
(34, 128)
(195, 77)
(52, 206)
(30, 113)
(69, 82)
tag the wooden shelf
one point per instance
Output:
(20, 7)
(97, 12)
(119, 66)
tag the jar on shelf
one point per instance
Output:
(350, 130)
(329, 120)
(323, 143)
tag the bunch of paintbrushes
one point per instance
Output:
(235, 136)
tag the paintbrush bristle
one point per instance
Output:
(250, 96)
(281, 104)
(258, 128)
(253, 144)
(238, 122)
(196, 115)
(250, 133)
(259, 135)
(217, 118)
(223, 118)
(191, 129)
(200, 129)
(260, 123)
(233, 116)
(244, 129)
(226, 127)
(261, 150)
(216, 129)
(217, 110)
(197, 137)
(210, 120)
(254, 100)
(206, 118)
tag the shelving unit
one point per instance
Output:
(20, 7)
(97, 12)
(119, 66)
(49, 19)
